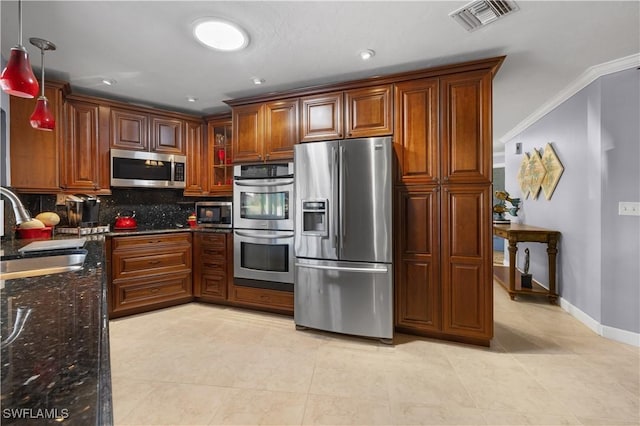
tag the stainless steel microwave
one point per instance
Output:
(147, 169)
(214, 214)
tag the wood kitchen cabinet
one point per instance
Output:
(416, 133)
(442, 217)
(143, 130)
(265, 131)
(368, 112)
(211, 273)
(417, 259)
(196, 151)
(219, 157)
(34, 154)
(322, 117)
(84, 157)
(467, 284)
(355, 113)
(167, 135)
(466, 127)
(147, 272)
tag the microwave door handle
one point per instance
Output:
(173, 170)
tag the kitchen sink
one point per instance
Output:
(33, 266)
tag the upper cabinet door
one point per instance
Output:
(129, 129)
(34, 153)
(368, 112)
(248, 134)
(416, 131)
(81, 159)
(166, 135)
(322, 117)
(466, 127)
(196, 157)
(281, 129)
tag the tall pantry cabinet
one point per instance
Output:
(443, 145)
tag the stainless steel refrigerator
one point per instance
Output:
(343, 246)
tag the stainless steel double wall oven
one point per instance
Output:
(263, 226)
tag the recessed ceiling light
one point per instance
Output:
(220, 34)
(367, 54)
(258, 81)
(191, 99)
(109, 81)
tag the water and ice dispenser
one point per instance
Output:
(315, 220)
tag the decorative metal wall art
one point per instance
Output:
(539, 172)
(536, 172)
(523, 180)
(554, 170)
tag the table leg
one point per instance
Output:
(551, 253)
(513, 249)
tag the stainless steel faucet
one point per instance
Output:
(22, 214)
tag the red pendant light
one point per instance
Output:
(17, 78)
(42, 117)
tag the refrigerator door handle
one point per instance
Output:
(335, 194)
(377, 270)
(342, 197)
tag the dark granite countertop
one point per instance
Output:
(144, 230)
(58, 366)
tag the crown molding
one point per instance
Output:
(586, 78)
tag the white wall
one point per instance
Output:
(595, 133)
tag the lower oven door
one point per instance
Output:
(263, 255)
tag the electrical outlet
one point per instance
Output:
(628, 208)
(60, 198)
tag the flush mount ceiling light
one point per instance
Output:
(109, 81)
(366, 54)
(191, 99)
(220, 34)
(258, 81)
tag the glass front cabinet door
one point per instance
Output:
(220, 159)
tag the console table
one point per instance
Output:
(509, 277)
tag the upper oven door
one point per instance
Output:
(263, 204)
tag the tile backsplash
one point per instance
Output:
(154, 208)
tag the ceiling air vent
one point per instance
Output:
(480, 13)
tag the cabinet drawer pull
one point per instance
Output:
(154, 290)
(212, 265)
(264, 297)
(154, 262)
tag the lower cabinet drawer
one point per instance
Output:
(146, 262)
(280, 300)
(141, 292)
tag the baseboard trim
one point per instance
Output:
(586, 78)
(612, 333)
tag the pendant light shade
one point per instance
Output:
(17, 78)
(42, 117)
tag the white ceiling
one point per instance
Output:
(148, 48)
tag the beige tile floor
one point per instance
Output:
(200, 364)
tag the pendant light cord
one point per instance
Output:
(42, 65)
(20, 22)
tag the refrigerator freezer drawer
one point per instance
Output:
(344, 297)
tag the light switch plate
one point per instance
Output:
(628, 208)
